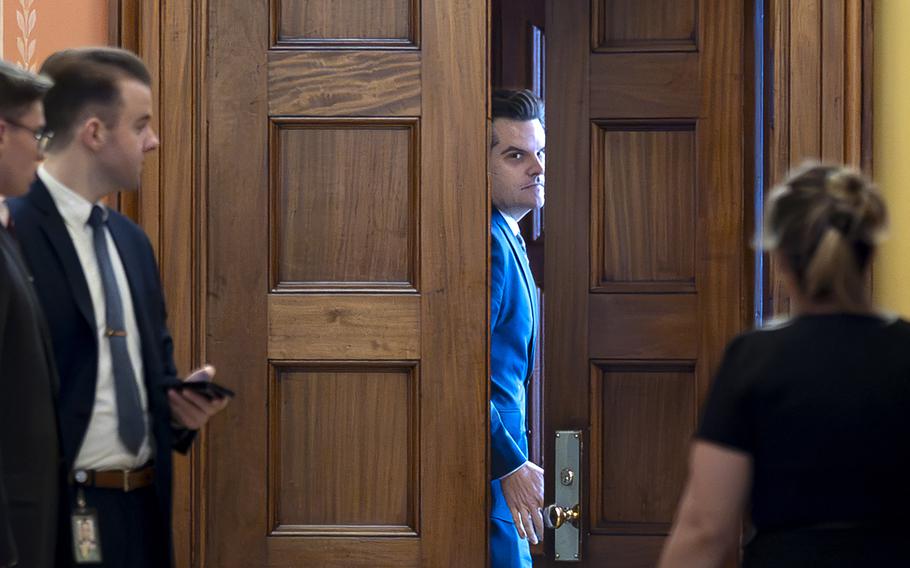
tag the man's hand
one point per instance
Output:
(523, 490)
(192, 410)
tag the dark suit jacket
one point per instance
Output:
(513, 331)
(64, 294)
(30, 464)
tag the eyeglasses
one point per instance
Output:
(42, 135)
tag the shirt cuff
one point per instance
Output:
(526, 462)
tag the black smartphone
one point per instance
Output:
(208, 389)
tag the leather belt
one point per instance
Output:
(125, 480)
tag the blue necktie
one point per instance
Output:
(130, 419)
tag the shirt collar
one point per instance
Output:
(512, 223)
(4, 212)
(74, 208)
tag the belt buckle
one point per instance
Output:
(126, 481)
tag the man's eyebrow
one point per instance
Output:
(514, 149)
(522, 150)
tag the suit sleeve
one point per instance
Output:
(8, 554)
(182, 438)
(506, 456)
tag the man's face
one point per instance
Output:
(132, 136)
(86, 531)
(19, 153)
(517, 166)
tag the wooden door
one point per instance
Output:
(645, 248)
(347, 226)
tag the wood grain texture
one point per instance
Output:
(854, 69)
(343, 449)
(333, 21)
(643, 326)
(441, 329)
(332, 552)
(822, 85)
(237, 281)
(567, 270)
(333, 326)
(645, 25)
(723, 188)
(646, 413)
(687, 177)
(168, 208)
(345, 204)
(645, 85)
(806, 79)
(833, 70)
(344, 83)
(865, 28)
(455, 229)
(643, 205)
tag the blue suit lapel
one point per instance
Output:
(55, 230)
(526, 275)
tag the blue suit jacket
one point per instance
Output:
(63, 292)
(513, 335)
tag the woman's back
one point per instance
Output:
(822, 403)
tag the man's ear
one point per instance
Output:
(93, 134)
(4, 130)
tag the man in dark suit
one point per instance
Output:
(517, 178)
(30, 465)
(98, 282)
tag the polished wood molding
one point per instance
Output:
(170, 207)
(822, 93)
(323, 326)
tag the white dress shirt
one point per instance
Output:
(4, 212)
(512, 223)
(101, 448)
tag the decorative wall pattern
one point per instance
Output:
(26, 19)
(30, 30)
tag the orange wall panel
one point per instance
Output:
(30, 30)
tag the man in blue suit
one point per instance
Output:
(97, 280)
(517, 177)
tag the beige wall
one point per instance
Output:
(42, 27)
(892, 149)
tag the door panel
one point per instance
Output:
(644, 248)
(346, 290)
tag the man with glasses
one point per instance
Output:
(96, 276)
(31, 477)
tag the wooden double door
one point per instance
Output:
(644, 278)
(345, 229)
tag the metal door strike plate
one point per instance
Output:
(567, 481)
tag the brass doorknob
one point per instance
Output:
(555, 516)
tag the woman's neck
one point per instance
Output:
(802, 306)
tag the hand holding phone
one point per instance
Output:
(200, 382)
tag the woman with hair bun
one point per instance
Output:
(807, 424)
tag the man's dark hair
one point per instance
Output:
(19, 89)
(86, 81)
(520, 105)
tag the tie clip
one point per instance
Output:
(114, 332)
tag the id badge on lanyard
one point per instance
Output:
(86, 533)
